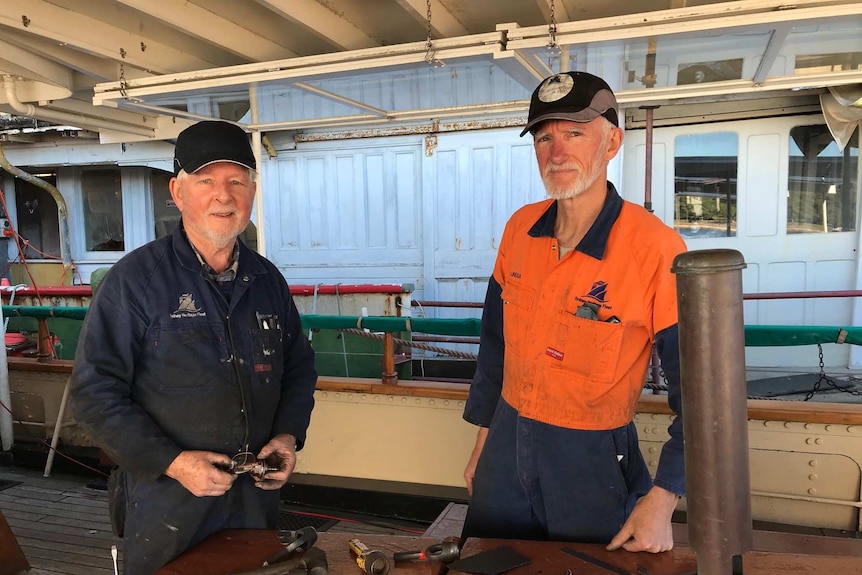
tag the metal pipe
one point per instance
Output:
(6, 429)
(389, 373)
(441, 379)
(648, 159)
(58, 428)
(77, 120)
(469, 304)
(65, 243)
(445, 339)
(45, 344)
(803, 294)
(747, 296)
(715, 411)
(256, 141)
(809, 498)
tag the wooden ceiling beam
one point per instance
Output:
(322, 22)
(90, 35)
(561, 13)
(201, 23)
(443, 23)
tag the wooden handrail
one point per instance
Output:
(776, 410)
(758, 409)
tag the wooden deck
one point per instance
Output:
(63, 528)
(61, 525)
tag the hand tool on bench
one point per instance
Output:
(312, 562)
(370, 561)
(594, 561)
(444, 552)
(299, 540)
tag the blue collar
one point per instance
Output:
(595, 241)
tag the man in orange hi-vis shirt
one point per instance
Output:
(581, 291)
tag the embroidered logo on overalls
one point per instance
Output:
(187, 308)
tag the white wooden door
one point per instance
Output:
(777, 261)
(473, 182)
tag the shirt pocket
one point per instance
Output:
(191, 356)
(588, 349)
(267, 354)
(517, 310)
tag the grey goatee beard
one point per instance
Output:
(583, 180)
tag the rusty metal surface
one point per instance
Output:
(430, 128)
(712, 358)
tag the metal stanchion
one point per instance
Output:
(715, 417)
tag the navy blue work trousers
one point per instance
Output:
(541, 482)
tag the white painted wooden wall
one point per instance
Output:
(777, 261)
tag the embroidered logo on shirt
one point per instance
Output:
(598, 291)
(598, 294)
(187, 308)
(554, 353)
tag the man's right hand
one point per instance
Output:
(202, 472)
(470, 470)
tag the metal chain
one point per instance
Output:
(429, 50)
(123, 83)
(552, 28)
(828, 380)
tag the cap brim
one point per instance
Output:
(204, 165)
(192, 167)
(585, 115)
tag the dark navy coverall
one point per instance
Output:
(164, 364)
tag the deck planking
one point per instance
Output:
(63, 527)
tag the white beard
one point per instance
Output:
(583, 179)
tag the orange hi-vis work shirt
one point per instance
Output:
(559, 367)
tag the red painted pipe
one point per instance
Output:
(341, 289)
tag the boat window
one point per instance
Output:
(165, 212)
(37, 218)
(705, 169)
(103, 210)
(821, 184)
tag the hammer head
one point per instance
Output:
(299, 540)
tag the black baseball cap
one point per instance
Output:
(213, 141)
(573, 96)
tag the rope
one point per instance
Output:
(426, 347)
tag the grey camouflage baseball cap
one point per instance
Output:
(573, 96)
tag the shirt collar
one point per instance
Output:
(595, 241)
(227, 275)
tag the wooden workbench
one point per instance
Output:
(237, 550)
(547, 558)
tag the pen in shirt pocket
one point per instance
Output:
(267, 321)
